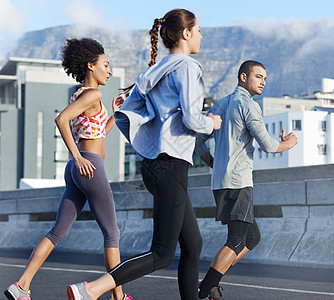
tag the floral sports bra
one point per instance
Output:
(84, 127)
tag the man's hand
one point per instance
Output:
(283, 135)
(217, 121)
(208, 159)
(287, 141)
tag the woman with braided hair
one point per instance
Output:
(160, 119)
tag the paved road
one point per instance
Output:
(244, 281)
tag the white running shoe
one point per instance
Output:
(78, 291)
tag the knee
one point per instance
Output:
(192, 249)
(254, 241)
(162, 259)
(237, 245)
(56, 238)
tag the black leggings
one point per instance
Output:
(166, 178)
(241, 234)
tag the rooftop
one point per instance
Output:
(9, 67)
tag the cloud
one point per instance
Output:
(322, 38)
(313, 34)
(12, 22)
(11, 18)
(282, 29)
(86, 13)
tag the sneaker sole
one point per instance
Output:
(9, 295)
(72, 293)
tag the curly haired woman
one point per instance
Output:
(83, 125)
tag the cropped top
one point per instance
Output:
(85, 127)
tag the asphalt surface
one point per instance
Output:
(244, 281)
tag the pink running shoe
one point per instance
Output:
(78, 291)
(127, 297)
(14, 292)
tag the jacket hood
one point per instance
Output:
(148, 80)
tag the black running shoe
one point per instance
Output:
(216, 293)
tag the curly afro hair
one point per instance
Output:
(77, 53)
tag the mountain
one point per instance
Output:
(297, 56)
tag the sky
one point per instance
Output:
(20, 16)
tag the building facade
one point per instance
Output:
(315, 133)
(310, 118)
(323, 98)
(32, 93)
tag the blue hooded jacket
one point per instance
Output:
(164, 111)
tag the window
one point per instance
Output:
(39, 152)
(273, 126)
(323, 125)
(132, 162)
(260, 152)
(61, 154)
(23, 95)
(280, 129)
(288, 106)
(0, 148)
(197, 162)
(126, 169)
(296, 124)
(322, 149)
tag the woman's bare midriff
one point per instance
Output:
(95, 146)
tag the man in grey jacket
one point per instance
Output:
(231, 181)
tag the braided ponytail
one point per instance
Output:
(154, 40)
(172, 25)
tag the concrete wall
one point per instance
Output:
(294, 209)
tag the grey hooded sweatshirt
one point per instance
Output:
(163, 113)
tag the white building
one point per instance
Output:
(276, 105)
(315, 133)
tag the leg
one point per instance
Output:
(252, 240)
(237, 231)
(191, 244)
(170, 205)
(240, 255)
(68, 211)
(100, 286)
(236, 240)
(223, 260)
(111, 260)
(101, 202)
(37, 258)
(166, 178)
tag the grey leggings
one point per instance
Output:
(100, 199)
